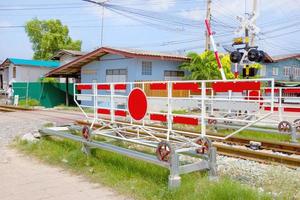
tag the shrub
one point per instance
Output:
(30, 102)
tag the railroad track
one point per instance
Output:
(233, 147)
(10, 108)
(269, 152)
(259, 156)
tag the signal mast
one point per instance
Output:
(245, 53)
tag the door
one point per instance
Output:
(1, 81)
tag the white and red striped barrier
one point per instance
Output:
(209, 32)
(142, 103)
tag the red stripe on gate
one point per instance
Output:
(84, 87)
(269, 108)
(291, 109)
(158, 117)
(103, 87)
(218, 59)
(291, 90)
(103, 111)
(222, 86)
(235, 86)
(186, 86)
(120, 87)
(120, 113)
(185, 120)
(269, 90)
(158, 86)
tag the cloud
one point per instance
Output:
(160, 5)
(5, 23)
(151, 5)
(194, 14)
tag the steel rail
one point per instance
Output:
(248, 154)
(259, 156)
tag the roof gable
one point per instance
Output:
(63, 52)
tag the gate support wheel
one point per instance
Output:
(205, 144)
(86, 135)
(163, 151)
(86, 132)
(284, 127)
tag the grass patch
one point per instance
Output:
(135, 178)
(29, 103)
(248, 134)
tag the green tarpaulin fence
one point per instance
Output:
(48, 94)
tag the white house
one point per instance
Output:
(66, 56)
(22, 70)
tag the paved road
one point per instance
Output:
(23, 178)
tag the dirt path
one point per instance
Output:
(23, 178)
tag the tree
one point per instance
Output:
(49, 36)
(204, 66)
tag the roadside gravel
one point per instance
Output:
(280, 181)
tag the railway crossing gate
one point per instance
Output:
(170, 117)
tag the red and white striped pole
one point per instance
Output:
(215, 49)
(236, 73)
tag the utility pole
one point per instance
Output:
(102, 4)
(251, 39)
(254, 12)
(208, 17)
(102, 25)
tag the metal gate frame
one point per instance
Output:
(171, 145)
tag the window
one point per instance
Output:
(275, 71)
(146, 68)
(263, 71)
(14, 72)
(173, 75)
(116, 75)
(297, 72)
(287, 71)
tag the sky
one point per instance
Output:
(174, 26)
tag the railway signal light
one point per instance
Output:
(252, 55)
(260, 57)
(236, 56)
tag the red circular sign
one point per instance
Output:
(137, 104)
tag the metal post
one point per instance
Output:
(280, 109)
(203, 108)
(212, 102)
(208, 16)
(272, 95)
(294, 134)
(67, 91)
(212, 163)
(229, 98)
(169, 109)
(174, 178)
(27, 93)
(86, 149)
(254, 12)
(112, 105)
(95, 90)
(102, 25)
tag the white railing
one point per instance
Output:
(163, 106)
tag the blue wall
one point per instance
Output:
(267, 71)
(133, 66)
(293, 63)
